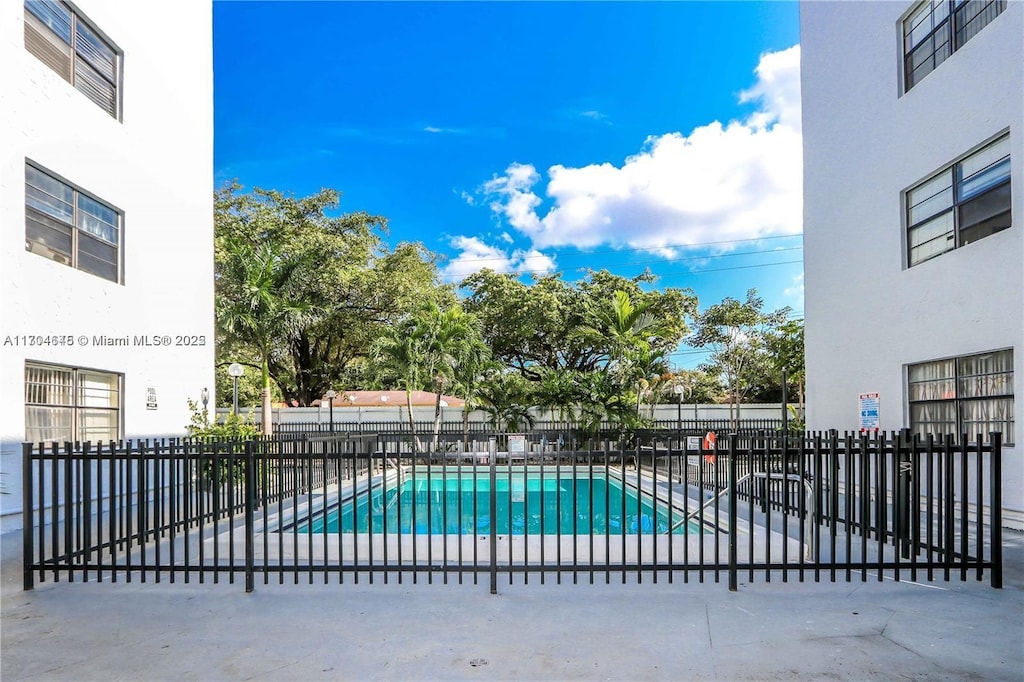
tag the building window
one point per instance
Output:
(69, 404)
(938, 28)
(972, 394)
(960, 204)
(69, 226)
(63, 40)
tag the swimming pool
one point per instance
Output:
(534, 501)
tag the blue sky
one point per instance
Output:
(533, 136)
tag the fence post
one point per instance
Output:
(732, 512)
(492, 455)
(27, 549)
(904, 458)
(763, 458)
(250, 503)
(996, 505)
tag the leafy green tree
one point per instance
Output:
(399, 357)
(469, 375)
(350, 283)
(453, 345)
(557, 334)
(786, 349)
(635, 343)
(258, 305)
(530, 327)
(561, 392)
(505, 397)
(738, 332)
(700, 386)
(434, 348)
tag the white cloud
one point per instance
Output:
(475, 255)
(739, 180)
(797, 287)
(435, 130)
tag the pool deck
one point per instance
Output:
(765, 631)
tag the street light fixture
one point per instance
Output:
(235, 370)
(329, 396)
(359, 414)
(679, 389)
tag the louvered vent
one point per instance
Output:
(90, 84)
(47, 47)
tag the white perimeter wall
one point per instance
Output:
(867, 315)
(157, 167)
(393, 413)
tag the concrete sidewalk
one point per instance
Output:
(857, 631)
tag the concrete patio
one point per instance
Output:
(857, 631)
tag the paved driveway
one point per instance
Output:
(858, 631)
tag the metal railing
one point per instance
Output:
(350, 507)
(452, 428)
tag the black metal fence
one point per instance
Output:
(450, 429)
(337, 507)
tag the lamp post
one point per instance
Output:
(679, 389)
(235, 370)
(785, 401)
(359, 415)
(329, 396)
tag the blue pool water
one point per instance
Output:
(529, 503)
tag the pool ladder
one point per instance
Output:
(707, 503)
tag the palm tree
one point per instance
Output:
(643, 367)
(559, 391)
(439, 346)
(504, 397)
(453, 341)
(633, 339)
(470, 374)
(398, 355)
(255, 305)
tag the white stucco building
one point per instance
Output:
(913, 121)
(106, 221)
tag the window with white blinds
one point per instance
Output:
(71, 404)
(63, 40)
(971, 394)
(64, 224)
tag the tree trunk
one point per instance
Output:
(267, 415)
(412, 422)
(800, 397)
(437, 421)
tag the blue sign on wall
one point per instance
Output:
(869, 412)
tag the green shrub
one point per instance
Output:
(230, 427)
